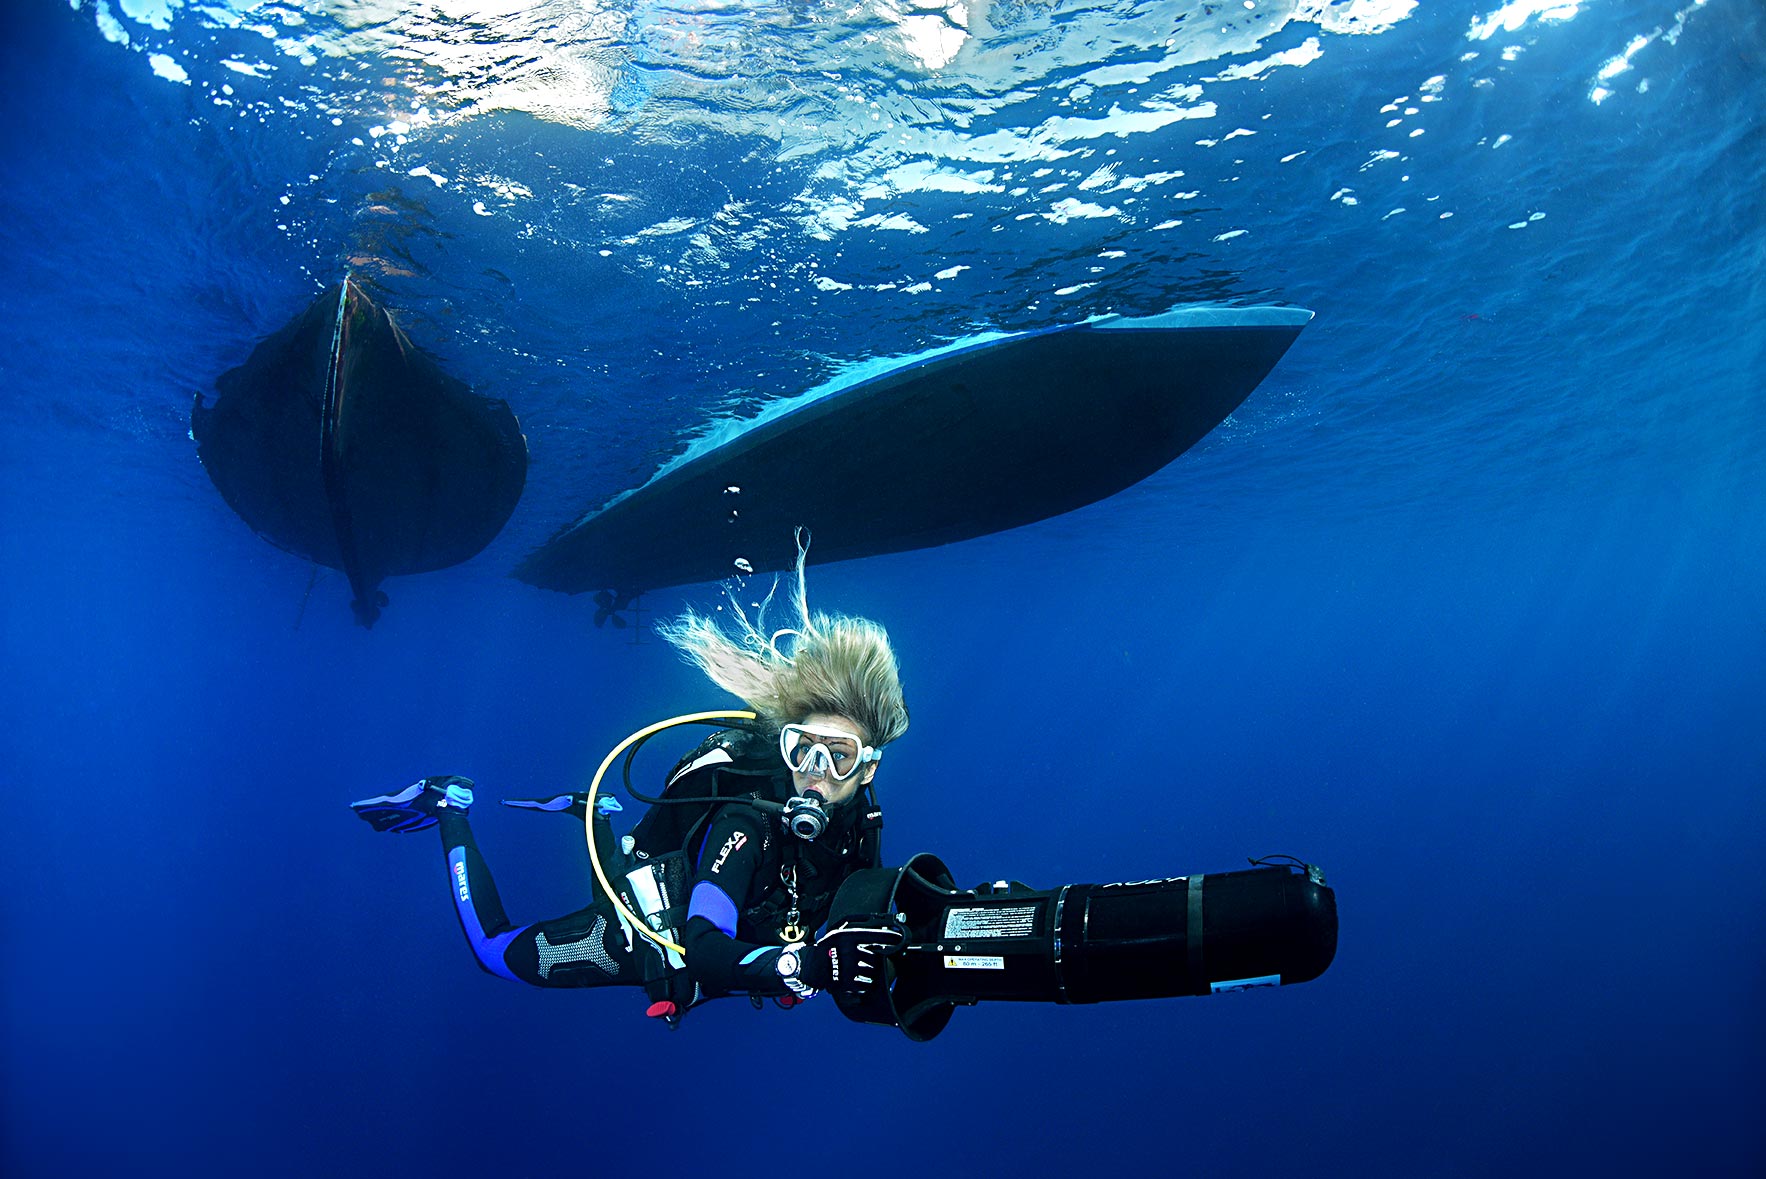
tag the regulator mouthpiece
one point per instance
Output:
(805, 817)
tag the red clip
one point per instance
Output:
(663, 1009)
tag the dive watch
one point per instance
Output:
(789, 964)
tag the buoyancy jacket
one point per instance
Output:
(755, 886)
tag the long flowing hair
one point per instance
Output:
(822, 663)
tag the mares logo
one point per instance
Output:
(731, 844)
(460, 882)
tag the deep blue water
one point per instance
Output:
(1467, 603)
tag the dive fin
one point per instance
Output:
(418, 806)
(576, 805)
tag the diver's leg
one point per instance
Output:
(585, 949)
(487, 928)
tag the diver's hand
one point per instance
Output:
(848, 959)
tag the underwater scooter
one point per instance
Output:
(1274, 924)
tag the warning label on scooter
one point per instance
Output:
(973, 962)
(991, 921)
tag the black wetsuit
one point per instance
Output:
(752, 875)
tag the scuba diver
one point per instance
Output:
(765, 820)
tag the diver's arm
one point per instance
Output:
(847, 959)
(721, 964)
(716, 959)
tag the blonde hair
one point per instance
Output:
(834, 663)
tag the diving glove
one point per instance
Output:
(848, 959)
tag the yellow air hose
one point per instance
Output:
(611, 893)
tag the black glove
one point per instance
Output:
(848, 959)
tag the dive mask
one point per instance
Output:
(824, 752)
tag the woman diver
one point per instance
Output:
(827, 704)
